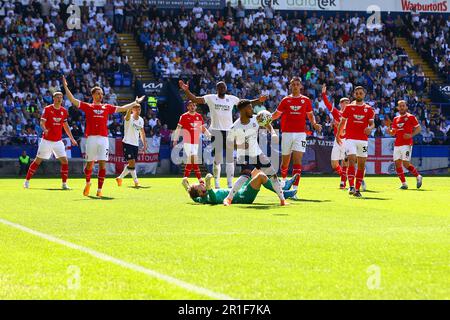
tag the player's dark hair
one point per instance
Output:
(94, 89)
(243, 104)
(193, 192)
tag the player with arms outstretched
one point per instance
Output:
(133, 129)
(221, 107)
(338, 151)
(97, 144)
(404, 127)
(293, 110)
(191, 125)
(53, 120)
(358, 122)
(244, 134)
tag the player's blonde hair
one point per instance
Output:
(94, 89)
(401, 101)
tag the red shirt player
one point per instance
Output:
(357, 120)
(338, 151)
(53, 120)
(293, 110)
(404, 127)
(191, 124)
(97, 144)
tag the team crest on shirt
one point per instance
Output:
(365, 109)
(302, 101)
(296, 108)
(99, 111)
(358, 116)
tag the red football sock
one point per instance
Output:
(297, 168)
(197, 172)
(64, 172)
(359, 178)
(284, 172)
(31, 170)
(413, 170)
(338, 170)
(344, 174)
(187, 170)
(351, 176)
(400, 174)
(88, 173)
(101, 177)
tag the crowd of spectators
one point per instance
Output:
(430, 36)
(255, 52)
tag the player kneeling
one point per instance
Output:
(133, 128)
(205, 194)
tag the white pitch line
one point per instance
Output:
(102, 256)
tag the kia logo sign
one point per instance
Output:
(152, 87)
(445, 89)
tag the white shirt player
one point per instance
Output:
(246, 135)
(132, 130)
(221, 110)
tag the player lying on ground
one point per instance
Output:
(293, 110)
(244, 134)
(97, 143)
(220, 107)
(191, 125)
(404, 128)
(53, 120)
(204, 193)
(133, 129)
(357, 121)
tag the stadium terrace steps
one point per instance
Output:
(135, 57)
(427, 69)
(418, 60)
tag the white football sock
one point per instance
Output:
(277, 187)
(237, 186)
(124, 172)
(216, 173)
(133, 174)
(230, 174)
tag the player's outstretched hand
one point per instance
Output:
(262, 99)
(183, 86)
(139, 100)
(74, 142)
(64, 81)
(324, 88)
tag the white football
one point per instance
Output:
(263, 118)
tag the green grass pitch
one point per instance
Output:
(394, 244)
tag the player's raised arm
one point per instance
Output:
(127, 107)
(325, 98)
(69, 133)
(69, 94)
(258, 101)
(189, 94)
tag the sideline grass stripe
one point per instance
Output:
(102, 256)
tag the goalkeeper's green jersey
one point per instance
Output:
(245, 195)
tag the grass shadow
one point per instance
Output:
(95, 198)
(420, 190)
(53, 189)
(307, 200)
(370, 191)
(373, 198)
(140, 187)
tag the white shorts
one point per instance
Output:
(97, 148)
(358, 147)
(338, 151)
(47, 148)
(190, 149)
(402, 153)
(293, 141)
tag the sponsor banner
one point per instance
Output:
(188, 4)
(146, 163)
(346, 5)
(152, 88)
(445, 90)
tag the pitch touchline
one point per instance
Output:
(102, 256)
